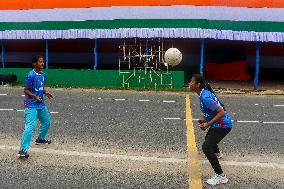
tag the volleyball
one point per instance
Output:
(173, 56)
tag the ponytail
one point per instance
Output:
(205, 85)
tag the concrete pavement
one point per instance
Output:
(147, 125)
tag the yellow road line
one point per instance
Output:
(194, 178)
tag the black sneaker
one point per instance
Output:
(23, 154)
(42, 141)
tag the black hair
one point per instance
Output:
(205, 85)
(35, 59)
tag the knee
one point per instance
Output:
(47, 123)
(205, 147)
(29, 126)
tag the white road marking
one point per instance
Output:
(143, 158)
(278, 105)
(250, 164)
(100, 155)
(248, 121)
(193, 119)
(23, 95)
(117, 99)
(171, 118)
(169, 101)
(54, 112)
(20, 110)
(271, 122)
(144, 100)
(99, 98)
(6, 109)
(3, 94)
(256, 104)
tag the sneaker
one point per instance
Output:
(217, 179)
(23, 154)
(219, 155)
(42, 141)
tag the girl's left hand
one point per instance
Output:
(48, 95)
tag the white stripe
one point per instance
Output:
(144, 12)
(99, 98)
(101, 155)
(119, 99)
(143, 158)
(6, 109)
(145, 33)
(172, 118)
(20, 110)
(144, 100)
(3, 94)
(250, 164)
(248, 121)
(54, 112)
(23, 95)
(279, 105)
(169, 101)
(272, 122)
(256, 104)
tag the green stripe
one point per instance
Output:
(150, 23)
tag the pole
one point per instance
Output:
(257, 60)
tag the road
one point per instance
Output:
(128, 139)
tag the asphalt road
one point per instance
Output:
(127, 139)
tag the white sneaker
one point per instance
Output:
(219, 155)
(217, 179)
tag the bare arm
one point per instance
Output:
(47, 94)
(219, 114)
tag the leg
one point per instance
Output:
(30, 123)
(215, 147)
(213, 137)
(44, 119)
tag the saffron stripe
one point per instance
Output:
(49, 4)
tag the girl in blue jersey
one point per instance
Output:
(216, 120)
(35, 107)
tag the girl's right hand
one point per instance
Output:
(200, 121)
(38, 99)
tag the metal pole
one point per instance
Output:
(95, 54)
(202, 56)
(147, 53)
(2, 55)
(257, 60)
(46, 54)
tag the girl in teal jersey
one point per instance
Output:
(35, 107)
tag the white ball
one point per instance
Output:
(173, 56)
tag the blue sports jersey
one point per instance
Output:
(208, 104)
(35, 83)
